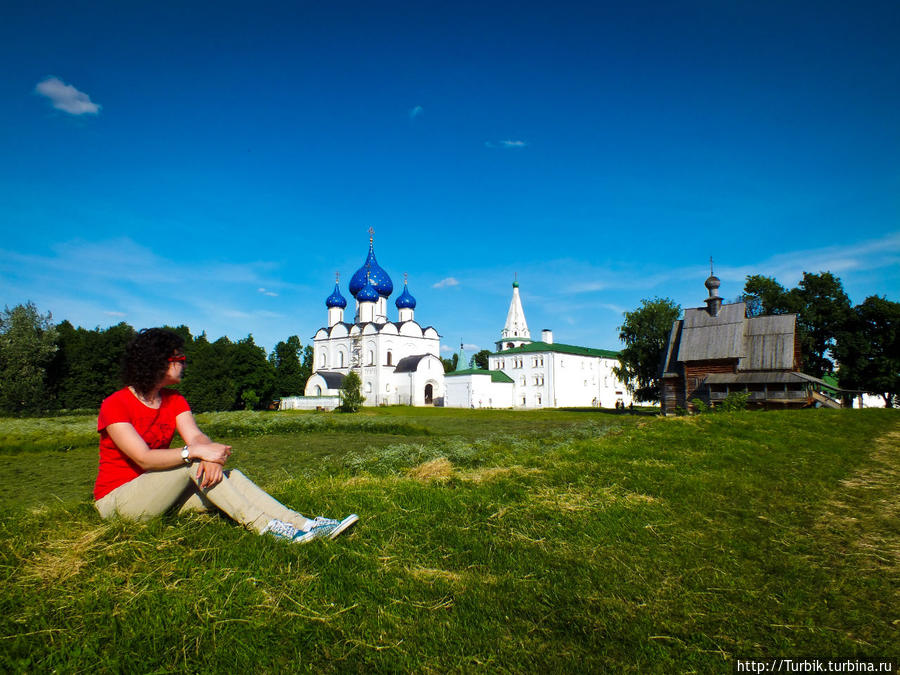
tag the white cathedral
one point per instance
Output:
(397, 361)
(399, 364)
(523, 373)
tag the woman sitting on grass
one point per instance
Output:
(140, 476)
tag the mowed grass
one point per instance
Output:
(489, 540)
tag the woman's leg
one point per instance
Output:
(244, 501)
(150, 494)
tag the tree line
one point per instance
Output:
(47, 367)
(859, 344)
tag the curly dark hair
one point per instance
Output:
(147, 358)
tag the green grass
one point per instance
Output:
(489, 540)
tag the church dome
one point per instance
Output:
(367, 293)
(336, 299)
(712, 283)
(376, 276)
(405, 299)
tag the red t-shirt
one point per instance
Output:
(155, 426)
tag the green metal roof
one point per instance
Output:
(496, 375)
(559, 348)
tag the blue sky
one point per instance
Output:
(214, 164)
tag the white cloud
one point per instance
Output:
(67, 98)
(513, 144)
(264, 291)
(418, 111)
(447, 349)
(471, 347)
(116, 314)
(444, 283)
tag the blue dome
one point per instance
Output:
(377, 276)
(405, 299)
(336, 299)
(367, 293)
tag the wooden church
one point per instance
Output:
(716, 350)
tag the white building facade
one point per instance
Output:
(550, 375)
(397, 361)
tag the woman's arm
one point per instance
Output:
(127, 439)
(199, 444)
(210, 472)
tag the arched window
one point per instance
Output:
(368, 387)
(390, 358)
(318, 391)
(323, 362)
(371, 357)
(341, 359)
(522, 380)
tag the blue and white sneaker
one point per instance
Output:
(281, 529)
(329, 528)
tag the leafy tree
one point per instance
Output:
(351, 396)
(307, 368)
(27, 345)
(764, 295)
(868, 350)
(252, 371)
(450, 364)
(824, 310)
(481, 359)
(645, 333)
(209, 382)
(290, 378)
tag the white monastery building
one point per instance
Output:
(397, 361)
(544, 374)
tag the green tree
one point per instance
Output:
(252, 371)
(481, 359)
(824, 310)
(27, 346)
(290, 378)
(351, 396)
(868, 350)
(764, 295)
(645, 333)
(307, 368)
(450, 364)
(209, 383)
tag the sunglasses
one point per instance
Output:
(177, 359)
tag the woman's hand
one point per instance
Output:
(209, 474)
(210, 452)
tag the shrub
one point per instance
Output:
(736, 400)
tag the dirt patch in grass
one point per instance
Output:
(864, 514)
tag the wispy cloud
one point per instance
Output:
(447, 349)
(507, 144)
(110, 312)
(418, 111)
(264, 291)
(446, 283)
(67, 98)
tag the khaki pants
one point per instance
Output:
(155, 492)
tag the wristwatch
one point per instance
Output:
(184, 455)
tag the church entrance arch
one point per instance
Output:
(429, 394)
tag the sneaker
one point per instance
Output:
(282, 530)
(330, 528)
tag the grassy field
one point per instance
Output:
(489, 540)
